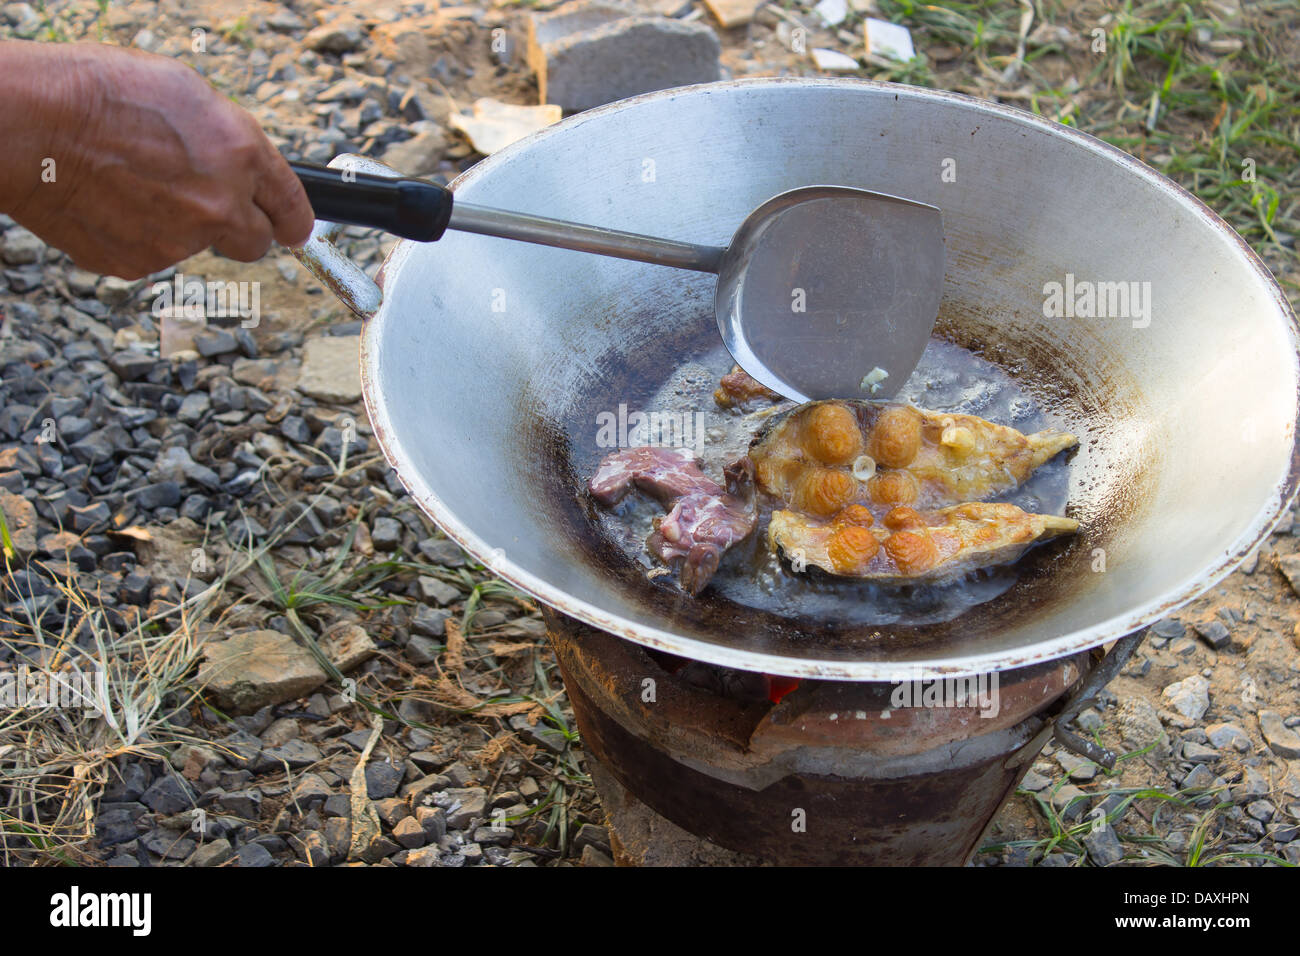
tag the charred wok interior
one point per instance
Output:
(837, 512)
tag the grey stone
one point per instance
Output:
(245, 804)
(1214, 633)
(1070, 802)
(340, 35)
(1103, 846)
(125, 784)
(386, 534)
(212, 854)
(543, 734)
(589, 834)
(1199, 753)
(422, 650)
(331, 370)
(391, 811)
(430, 622)
(1079, 769)
(89, 517)
(1189, 697)
(442, 551)
(420, 155)
(116, 825)
(347, 646)
(164, 494)
(1089, 721)
(252, 670)
(337, 805)
(383, 779)
(167, 844)
(285, 21)
(130, 365)
(409, 833)
(1252, 785)
(423, 857)
(243, 747)
(437, 591)
(594, 857)
(115, 292)
(333, 440)
(313, 848)
(1228, 735)
(464, 806)
(338, 834)
(458, 775)
(21, 247)
(297, 754)
(413, 710)
(253, 855)
(344, 91)
(1170, 628)
(1282, 740)
(433, 820)
(169, 794)
(378, 849)
(20, 516)
(1200, 778)
(295, 429)
(215, 341)
(417, 790)
(1034, 782)
(1261, 810)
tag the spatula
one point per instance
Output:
(823, 291)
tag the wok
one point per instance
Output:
(485, 363)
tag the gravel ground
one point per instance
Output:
(382, 701)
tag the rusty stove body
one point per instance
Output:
(832, 773)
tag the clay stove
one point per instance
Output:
(729, 767)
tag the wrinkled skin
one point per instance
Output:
(130, 162)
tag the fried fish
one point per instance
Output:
(822, 456)
(908, 546)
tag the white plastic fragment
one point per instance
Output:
(887, 39)
(832, 12)
(834, 60)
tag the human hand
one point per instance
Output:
(130, 162)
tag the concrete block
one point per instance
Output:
(593, 52)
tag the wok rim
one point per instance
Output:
(1101, 633)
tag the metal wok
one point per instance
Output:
(485, 362)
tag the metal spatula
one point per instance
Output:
(823, 291)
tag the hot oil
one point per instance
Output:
(948, 379)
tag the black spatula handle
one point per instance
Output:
(411, 208)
